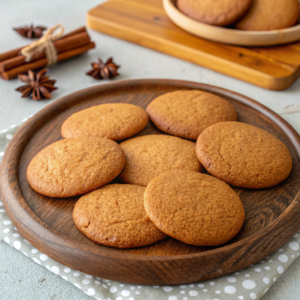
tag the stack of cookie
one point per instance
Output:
(162, 191)
(256, 15)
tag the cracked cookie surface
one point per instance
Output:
(75, 166)
(194, 208)
(219, 13)
(152, 155)
(270, 15)
(114, 216)
(187, 113)
(243, 155)
(115, 121)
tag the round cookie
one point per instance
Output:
(194, 208)
(243, 155)
(187, 113)
(152, 155)
(114, 216)
(115, 121)
(75, 166)
(219, 13)
(270, 15)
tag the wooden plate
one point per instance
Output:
(272, 215)
(230, 36)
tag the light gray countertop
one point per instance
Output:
(20, 277)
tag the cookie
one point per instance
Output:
(187, 113)
(243, 155)
(75, 166)
(270, 15)
(115, 121)
(219, 13)
(114, 216)
(194, 208)
(152, 155)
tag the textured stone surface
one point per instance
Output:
(22, 278)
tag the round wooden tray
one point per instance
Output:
(272, 215)
(230, 36)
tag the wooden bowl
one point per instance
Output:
(230, 36)
(272, 215)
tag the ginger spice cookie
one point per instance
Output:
(152, 155)
(243, 155)
(194, 208)
(219, 13)
(270, 15)
(115, 121)
(187, 113)
(75, 166)
(114, 216)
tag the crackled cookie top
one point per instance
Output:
(219, 13)
(243, 155)
(194, 208)
(270, 15)
(75, 166)
(114, 216)
(187, 113)
(151, 155)
(115, 121)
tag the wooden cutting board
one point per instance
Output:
(145, 22)
(272, 215)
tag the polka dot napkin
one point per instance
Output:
(250, 283)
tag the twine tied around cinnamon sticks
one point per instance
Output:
(13, 63)
(45, 44)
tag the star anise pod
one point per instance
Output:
(104, 70)
(30, 32)
(38, 85)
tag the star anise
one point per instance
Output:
(30, 32)
(38, 85)
(104, 70)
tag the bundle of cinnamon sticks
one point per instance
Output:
(12, 63)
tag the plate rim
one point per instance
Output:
(38, 226)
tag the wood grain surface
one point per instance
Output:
(272, 215)
(145, 23)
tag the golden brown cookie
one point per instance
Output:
(152, 155)
(270, 15)
(243, 155)
(115, 121)
(219, 13)
(194, 208)
(114, 216)
(75, 166)
(188, 113)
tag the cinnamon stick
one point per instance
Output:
(15, 52)
(10, 54)
(61, 45)
(79, 30)
(10, 74)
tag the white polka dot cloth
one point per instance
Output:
(250, 283)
